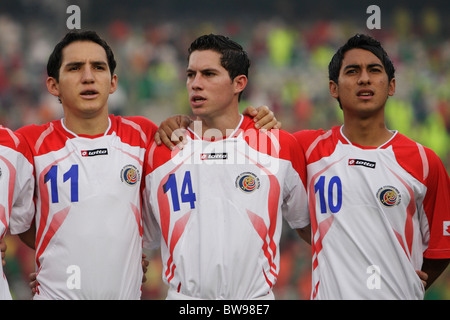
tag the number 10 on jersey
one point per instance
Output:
(329, 194)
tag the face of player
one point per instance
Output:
(363, 85)
(212, 93)
(85, 81)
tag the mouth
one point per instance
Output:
(197, 100)
(89, 94)
(365, 94)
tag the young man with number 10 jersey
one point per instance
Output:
(379, 202)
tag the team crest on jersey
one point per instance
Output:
(130, 175)
(389, 196)
(247, 182)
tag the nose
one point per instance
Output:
(195, 82)
(87, 76)
(364, 77)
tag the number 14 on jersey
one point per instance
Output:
(187, 194)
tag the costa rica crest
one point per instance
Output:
(247, 182)
(389, 196)
(130, 175)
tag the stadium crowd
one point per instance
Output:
(289, 73)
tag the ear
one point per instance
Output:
(391, 87)
(334, 89)
(53, 86)
(113, 84)
(240, 82)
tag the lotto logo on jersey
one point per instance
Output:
(389, 196)
(247, 182)
(363, 163)
(130, 175)
(93, 153)
(446, 228)
(214, 156)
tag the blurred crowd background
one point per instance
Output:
(290, 44)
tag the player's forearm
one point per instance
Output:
(434, 268)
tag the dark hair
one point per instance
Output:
(360, 41)
(55, 59)
(233, 57)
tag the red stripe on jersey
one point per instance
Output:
(318, 230)
(45, 204)
(12, 180)
(410, 211)
(42, 137)
(138, 216)
(14, 138)
(3, 220)
(53, 136)
(423, 156)
(259, 225)
(314, 144)
(178, 230)
(57, 220)
(164, 213)
(11, 183)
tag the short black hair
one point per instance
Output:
(233, 57)
(360, 41)
(55, 59)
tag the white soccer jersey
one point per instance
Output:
(375, 213)
(88, 202)
(16, 196)
(218, 205)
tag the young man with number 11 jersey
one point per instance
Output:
(88, 168)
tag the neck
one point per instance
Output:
(367, 133)
(90, 127)
(216, 127)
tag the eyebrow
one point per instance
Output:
(203, 70)
(357, 66)
(79, 63)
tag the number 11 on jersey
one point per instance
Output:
(71, 174)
